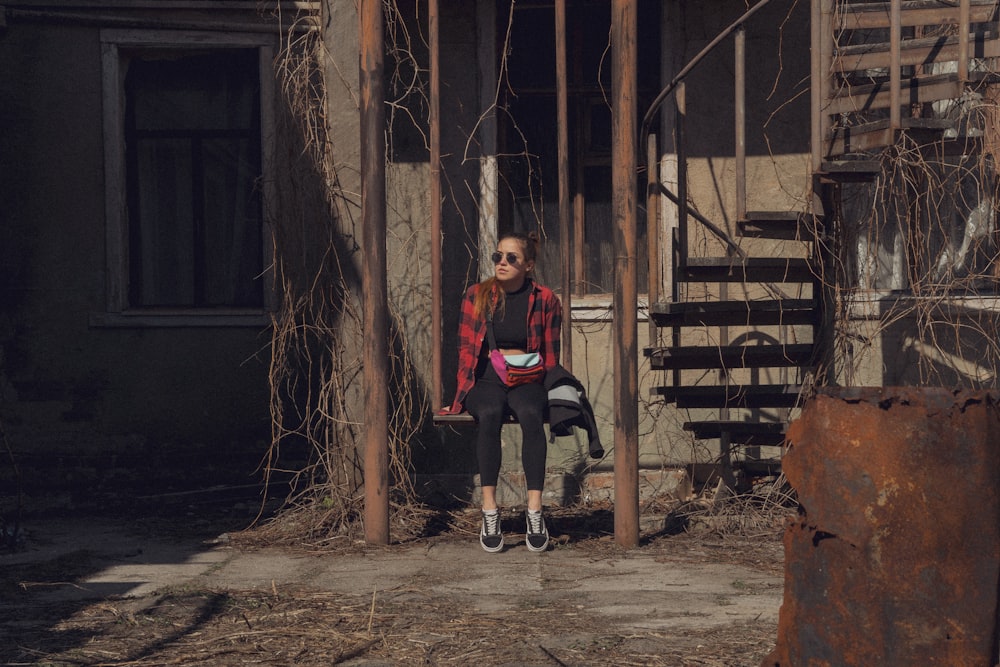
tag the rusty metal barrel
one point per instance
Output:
(894, 558)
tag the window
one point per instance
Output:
(184, 123)
(527, 133)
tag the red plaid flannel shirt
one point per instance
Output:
(544, 328)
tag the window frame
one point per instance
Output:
(117, 310)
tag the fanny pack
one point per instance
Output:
(514, 369)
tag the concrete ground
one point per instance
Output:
(672, 587)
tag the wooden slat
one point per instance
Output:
(830, 172)
(876, 96)
(735, 356)
(790, 225)
(921, 51)
(753, 269)
(879, 133)
(461, 419)
(722, 313)
(732, 396)
(865, 16)
(743, 433)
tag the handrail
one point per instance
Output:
(717, 231)
(654, 106)
(649, 156)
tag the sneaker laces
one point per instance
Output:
(491, 522)
(536, 525)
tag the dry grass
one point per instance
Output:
(405, 625)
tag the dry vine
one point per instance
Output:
(317, 333)
(917, 251)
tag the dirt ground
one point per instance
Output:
(186, 585)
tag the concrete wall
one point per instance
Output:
(70, 385)
(71, 388)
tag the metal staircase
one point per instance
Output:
(738, 364)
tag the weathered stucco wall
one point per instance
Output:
(70, 388)
(67, 381)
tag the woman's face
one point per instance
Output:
(511, 274)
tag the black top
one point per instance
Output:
(510, 322)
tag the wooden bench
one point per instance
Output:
(453, 419)
(465, 419)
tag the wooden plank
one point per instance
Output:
(454, 419)
(789, 225)
(922, 51)
(753, 269)
(834, 167)
(722, 313)
(865, 16)
(917, 90)
(465, 419)
(732, 396)
(849, 171)
(736, 356)
(876, 134)
(739, 433)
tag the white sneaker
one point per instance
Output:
(490, 536)
(537, 535)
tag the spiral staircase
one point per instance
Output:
(742, 335)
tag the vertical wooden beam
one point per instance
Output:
(740, 105)
(624, 183)
(821, 61)
(562, 143)
(680, 121)
(815, 97)
(895, 39)
(489, 171)
(435, 200)
(963, 40)
(653, 231)
(673, 38)
(579, 171)
(375, 348)
(679, 235)
(579, 209)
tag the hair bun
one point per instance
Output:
(533, 237)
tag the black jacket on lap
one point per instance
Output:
(568, 407)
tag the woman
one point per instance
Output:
(526, 317)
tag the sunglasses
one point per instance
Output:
(512, 257)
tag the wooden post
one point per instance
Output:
(434, 46)
(740, 103)
(375, 350)
(821, 30)
(562, 143)
(895, 42)
(624, 181)
(653, 232)
(963, 40)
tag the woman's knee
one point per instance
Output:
(488, 415)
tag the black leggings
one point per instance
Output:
(489, 401)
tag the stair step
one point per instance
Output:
(730, 356)
(726, 313)
(880, 133)
(739, 432)
(751, 269)
(850, 171)
(733, 396)
(795, 225)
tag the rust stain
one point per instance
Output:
(895, 556)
